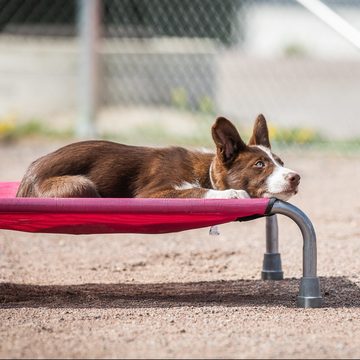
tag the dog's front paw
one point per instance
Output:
(227, 194)
(236, 194)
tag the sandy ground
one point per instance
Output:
(185, 295)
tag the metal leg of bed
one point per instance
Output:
(272, 269)
(310, 294)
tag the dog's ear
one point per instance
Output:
(227, 140)
(260, 134)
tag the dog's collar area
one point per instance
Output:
(211, 177)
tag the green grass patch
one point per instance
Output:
(157, 134)
(9, 132)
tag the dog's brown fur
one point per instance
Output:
(108, 169)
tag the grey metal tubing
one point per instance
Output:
(272, 235)
(309, 294)
(272, 268)
(308, 233)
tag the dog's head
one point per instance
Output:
(252, 167)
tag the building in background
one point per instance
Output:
(232, 57)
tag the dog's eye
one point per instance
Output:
(260, 164)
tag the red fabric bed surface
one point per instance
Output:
(8, 189)
(97, 216)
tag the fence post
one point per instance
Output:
(89, 23)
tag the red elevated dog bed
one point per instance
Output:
(100, 216)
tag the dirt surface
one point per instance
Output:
(185, 295)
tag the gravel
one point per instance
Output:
(188, 294)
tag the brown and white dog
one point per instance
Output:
(108, 169)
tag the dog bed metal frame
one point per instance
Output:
(161, 216)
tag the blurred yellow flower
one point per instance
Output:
(7, 124)
(305, 136)
(272, 131)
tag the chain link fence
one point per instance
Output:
(168, 67)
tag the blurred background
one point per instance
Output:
(160, 71)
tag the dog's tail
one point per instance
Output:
(26, 188)
(28, 184)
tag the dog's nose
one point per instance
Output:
(293, 178)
